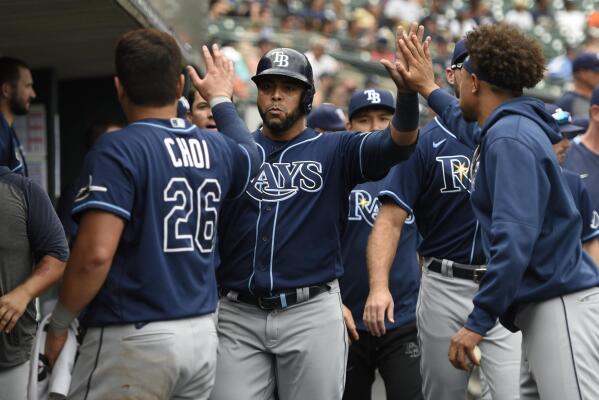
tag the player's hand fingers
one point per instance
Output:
(4, 317)
(452, 353)
(418, 46)
(220, 60)
(405, 74)
(391, 70)
(420, 33)
(411, 46)
(12, 323)
(208, 60)
(461, 358)
(390, 312)
(426, 48)
(380, 321)
(406, 53)
(193, 75)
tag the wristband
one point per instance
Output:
(61, 318)
(219, 99)
(406, 116)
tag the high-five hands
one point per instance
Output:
(219, 78)
(391, 66)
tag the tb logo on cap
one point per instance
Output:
(281, 59)
(373, 96)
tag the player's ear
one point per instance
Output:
(120, 90)
(180, 85)
(6, 90)
(475, 83)
(348, 126)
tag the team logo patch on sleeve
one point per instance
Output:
(85, 191)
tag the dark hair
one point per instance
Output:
(513, 59)
(148, 65)
(9, 69)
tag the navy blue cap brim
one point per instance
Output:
(570, 130)
(369, 106)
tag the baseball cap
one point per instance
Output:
(589, 61)
(459, 53)
(595, 97)
(327, 117)
(564, 120)
(370, 98)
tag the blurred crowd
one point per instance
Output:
(344, 39)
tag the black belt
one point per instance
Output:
(474, 274)
(278, 301)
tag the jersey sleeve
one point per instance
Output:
(448, 109)
(241, 168)
(45, 232)
(106, 183)
(369, 156)
(403, 184)
(590, 216)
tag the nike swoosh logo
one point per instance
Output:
(582, 176)
(437, 144)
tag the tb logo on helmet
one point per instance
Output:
(281, 59)
(372, 96)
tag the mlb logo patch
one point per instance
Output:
(177, 123)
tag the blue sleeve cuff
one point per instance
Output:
(439, 100)
(104, 206)
(388, 194)
(480, 321)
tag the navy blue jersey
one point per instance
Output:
(404, 277)
(585, 162)
(285, 231)
(582, 200)
(530, 226)
(11, 152)
(434, 186)
(167, 179)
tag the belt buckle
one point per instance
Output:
(477, 274)
(266, 307)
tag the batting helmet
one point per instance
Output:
(290, 63)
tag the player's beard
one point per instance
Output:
(19, 106)
(279, 126)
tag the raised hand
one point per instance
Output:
(219, 78)
(417, 73)
(390, 66)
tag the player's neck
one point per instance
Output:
(488, 103)
(9, 116)
(137, 113)
(294, 130)
(591, 138)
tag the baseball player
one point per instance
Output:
(280, 319)
(580, 193)
(396, 354)
(433, 186)
(538, 279)
(200, 112)
(142, 265)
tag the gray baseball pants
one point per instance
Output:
(14, 382)
(444, 303)
(301, 350)
(160, 360)
(560, 347)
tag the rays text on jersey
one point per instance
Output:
(281, 181)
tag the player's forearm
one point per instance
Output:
(84, 276)
(382, 246)
(230, 124)
(404, 125)
(47, 272)
(592, 249)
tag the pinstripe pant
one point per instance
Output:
(301, 350)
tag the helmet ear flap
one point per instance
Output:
(307, 99)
